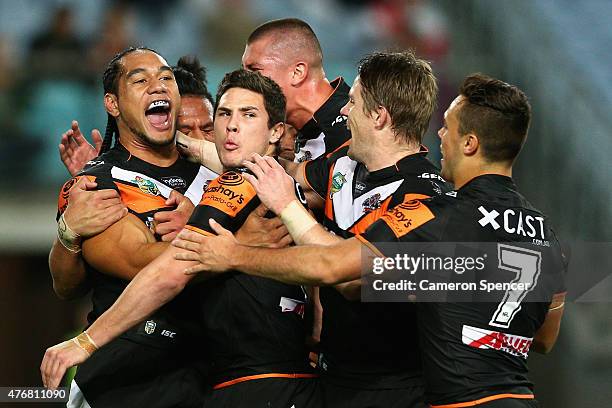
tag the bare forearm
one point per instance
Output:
(68, 272)
(306, 265)
(546, 336)
(317, 235)
(150, 289)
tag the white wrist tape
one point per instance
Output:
(85, 342)
(297, 219)
(68, 238)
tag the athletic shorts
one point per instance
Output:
(127, 374)
(499, 403)
(337, 396)
(267, 393)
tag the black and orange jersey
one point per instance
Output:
(253, 326)
(475, 348)
(152, 364)
(143, 189)
(360, 341)
(326, 131)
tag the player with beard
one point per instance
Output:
(254, 328)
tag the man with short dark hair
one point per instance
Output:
(288, 51)
(253, 327)
(474, 353)
(366, 360)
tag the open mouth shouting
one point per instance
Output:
(158, 115)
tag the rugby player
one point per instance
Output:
(254, 327)
(288, 51)
(91, 211)
(365, 359)
(144, 366)
(474, 354)
(194, 118)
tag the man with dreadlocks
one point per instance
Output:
(148, 364)
(92, 211)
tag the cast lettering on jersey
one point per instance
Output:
(478, 349)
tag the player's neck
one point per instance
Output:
(388, 154)
(311, 96)
(161, 156)
(473, 170)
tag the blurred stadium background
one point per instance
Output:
(52, 54)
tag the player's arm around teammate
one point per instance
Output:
(87, 214)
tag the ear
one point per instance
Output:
(470, 144)
(277, 132)
(111, 105)
(299, 74)
(381, 117)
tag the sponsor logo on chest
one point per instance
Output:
(513, 222)
(489, 339)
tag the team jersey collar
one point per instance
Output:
(488, 184)
(125, 155)
(405, 164)
(327, 113)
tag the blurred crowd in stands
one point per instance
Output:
(53, 53)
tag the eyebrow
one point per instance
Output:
(241, 109)
(136, 71)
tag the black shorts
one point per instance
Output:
(338, 396)
(499, 403)
(128, 374)
(268, 393)
(510, 403)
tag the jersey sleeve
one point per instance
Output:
(228, 199)
(317, 172)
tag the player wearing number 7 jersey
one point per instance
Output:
(474, 353)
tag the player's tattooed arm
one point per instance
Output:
(546, 336)
(199, 151)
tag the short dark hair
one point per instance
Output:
(190, 77)
(110, 82)
(274, 100)
(404, 85)
(286, 25)
(498, 113)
